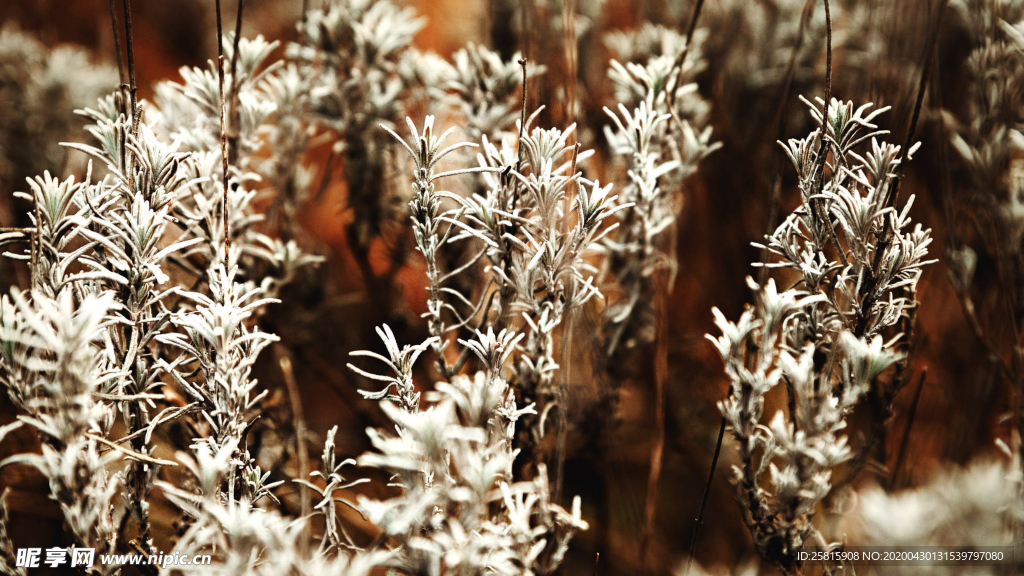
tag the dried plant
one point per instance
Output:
(367, 75)
(958, 507)
(467, 441)
(54, 368)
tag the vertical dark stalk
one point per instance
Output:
(138, 481)
(818, 205)
(828, 57)
(661, 328)
(522, 123)
(507, 292)
(566, 361)
(132, 88)
(918, 102)
(681, 59)
(704, 500)
(234, 127)
(780, 129)
(563, 406)
(906, 431)
(823, 147)
(237, 39)
(117, 41)
(223, 133)
(299, 420)
(658, 450)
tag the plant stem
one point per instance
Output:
(299, 420)
(704, 499)
(223, 134)
(883, 244)
(906, 431)
(681, 59)
(235, 109)
(658, 451)
(132, 88)
(780, 128)
(117, 41)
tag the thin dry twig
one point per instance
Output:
(658, 451)
(131, 453)
(883, 245)
(117, 41)
(299, 420)
(132, 88)
(704, 499)
(223, 132)
(780, 128)
(906, 431)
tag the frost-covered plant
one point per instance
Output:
(223, 348)
(856, 274)
(149, 277)
(646, 68)
(117, 239)
(534, 233)
(539, 219)
(462, 510)
(266, 101)
(487, 89)
(334, 537)
(427, 220)
(111, 238)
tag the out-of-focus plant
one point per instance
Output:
(39, 90)
(986, 217)
(364, 72)
(660, 131)
(978, 505)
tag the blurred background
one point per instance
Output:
(879, 49)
